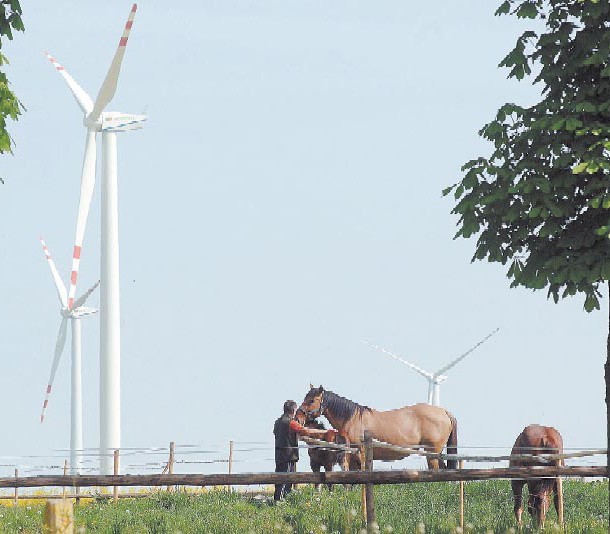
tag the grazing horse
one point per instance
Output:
(536, 439)
(418, 426)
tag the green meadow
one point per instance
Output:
(409, 508)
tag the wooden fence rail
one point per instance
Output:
(401, 476)
(414, 451)
(544, 457)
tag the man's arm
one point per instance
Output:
(311, 432)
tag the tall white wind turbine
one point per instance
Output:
(76, 400)
(434, 378)
(109, 123)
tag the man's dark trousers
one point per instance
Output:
(281, 490)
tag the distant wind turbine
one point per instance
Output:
(76, 403)
(436, 378)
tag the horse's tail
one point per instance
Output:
(452, 441)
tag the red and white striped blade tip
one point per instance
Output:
(74, 275)
(128, 25)
(45, 404)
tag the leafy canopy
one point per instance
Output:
(541, 201)
(10, 107)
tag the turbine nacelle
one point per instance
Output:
(115, 121)
(77, 313)
(83, 311)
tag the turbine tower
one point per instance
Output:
(76, 400)
(435, 379)
(109, 123)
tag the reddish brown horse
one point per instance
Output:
(420, 426)
(536, 439)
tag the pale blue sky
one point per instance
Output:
(282, 203)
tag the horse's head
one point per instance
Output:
(300, 416)
(538, 503)
(313, 403)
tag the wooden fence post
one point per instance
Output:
(461, 466)
(230, 462)
(58, 517)
(370, 498)
(16, 499)
(115, 493)
(170, 462)
(63, 489)
(560, 502)
(362, 455)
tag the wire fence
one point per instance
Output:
(250, 456)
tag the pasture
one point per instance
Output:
(409, 508)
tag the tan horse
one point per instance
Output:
(536, 439)
(420, 426)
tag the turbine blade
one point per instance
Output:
(87, 184)
(59, 285)
(59, 348)
(82, 98)
(83, 298)
(110, 82)
(421, 371)
(461, 357)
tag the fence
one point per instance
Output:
(368, 477)
(245, 456)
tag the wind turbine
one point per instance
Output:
(76, 400)
(435, 379)
(109, 123)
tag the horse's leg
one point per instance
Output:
(544, 506)
(345, 457)
(328, 467)
(439, 449)
(517, 486)
(556, 499)
(441, 462)
(315, 467)
(433, 463)
(353, 464)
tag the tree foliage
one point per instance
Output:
(540, 203)
(10, 107)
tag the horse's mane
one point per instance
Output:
(343, 408)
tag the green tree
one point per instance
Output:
(10, 107)
(540, 203)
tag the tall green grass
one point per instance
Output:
(408, 508)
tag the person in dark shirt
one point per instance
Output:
(286, 431)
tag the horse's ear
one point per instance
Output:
(320, 389)
(310, 385)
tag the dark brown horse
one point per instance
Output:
(536, 439)
(420, 426)
(324, 457)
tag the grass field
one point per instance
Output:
(410, 508)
